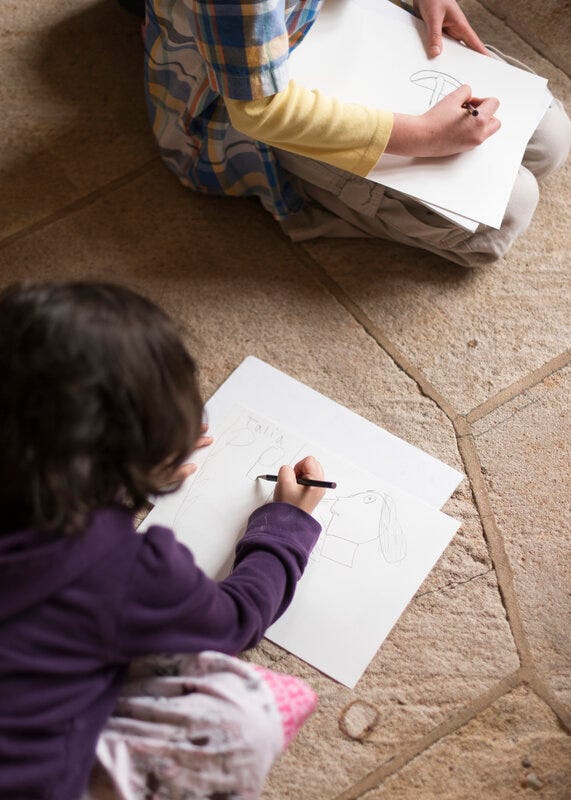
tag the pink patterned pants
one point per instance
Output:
(197, 727)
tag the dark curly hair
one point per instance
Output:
(97, 396)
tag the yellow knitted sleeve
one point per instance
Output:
(347, 135)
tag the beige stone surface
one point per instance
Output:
(74, 131)
(513, 750)
(545, 24)
(471, 332)
(452, 644)
(238, 289)
(525, 450)
(73, 112)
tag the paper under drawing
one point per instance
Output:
(377, 543)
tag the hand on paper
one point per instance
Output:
(169, 479)
(446, 16)
(446, 128)
(304, 497)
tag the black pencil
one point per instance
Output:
(303, 481)
(470, 109)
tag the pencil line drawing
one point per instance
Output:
(257, 446)
(269, 457)
(357, 519)
(439, 84)
(249, 446)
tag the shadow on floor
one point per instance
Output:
(89, 127)
(85, 122)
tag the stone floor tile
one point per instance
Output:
(545, 25)
(525, 452)
(516, 41)
(512, 750)
(472, 332)
(238, 289)
(73, 110)
(451, 644)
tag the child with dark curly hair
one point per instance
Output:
(99, 408)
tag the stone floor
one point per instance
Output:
(470, 696)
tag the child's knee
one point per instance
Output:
(521, 206)
(549, 146)
(489, 245)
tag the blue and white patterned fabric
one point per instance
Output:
(198, 53)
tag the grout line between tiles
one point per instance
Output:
(471, 461)
(527, 382)
(80, 203)
(400, 359)
(468, 454)
(527, 672)
(543, 691)
(448, 726)
(496, 546)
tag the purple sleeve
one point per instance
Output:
(170, 605)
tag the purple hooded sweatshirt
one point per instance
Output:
(74, 611)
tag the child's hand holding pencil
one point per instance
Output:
(288, 490)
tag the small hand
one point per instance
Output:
(446, 128)
(454, 129)
(446, 16)
(202, 441)
(173, 479)
(304, 497)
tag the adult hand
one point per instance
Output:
(446, 128)
(304, 497)
(446, 16)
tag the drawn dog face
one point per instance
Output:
(365, 507)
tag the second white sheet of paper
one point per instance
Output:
(376, 547)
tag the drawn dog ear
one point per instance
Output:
(391, 536)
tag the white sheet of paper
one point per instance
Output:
(376, 547)
(265, 389)
(470, 224)
(370, 53)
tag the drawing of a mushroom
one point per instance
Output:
(439, 84)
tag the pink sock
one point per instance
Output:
(295, 700)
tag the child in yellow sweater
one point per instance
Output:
(228, 120)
